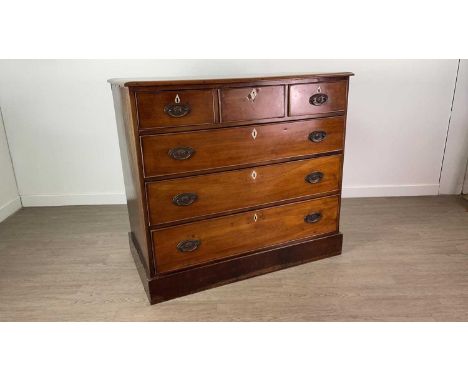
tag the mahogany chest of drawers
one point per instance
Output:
(230, 178)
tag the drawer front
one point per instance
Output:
(178, 153)
(252, 103)
(326, 97)
(178, 199)
(196, 243)
(176, 108)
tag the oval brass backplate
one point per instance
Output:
(177, 110)
(188, 245)
(317, 136)
(314, 177)
(185, 199)
(318, 99)
(313, 217)
(181, 153)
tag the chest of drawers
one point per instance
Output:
(230, 178)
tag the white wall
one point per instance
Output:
(9, 198)
(60, 120)
(465, 184)
(456, 153)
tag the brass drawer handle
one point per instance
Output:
(185, 199)
(181, 153)
(317, 136)
(177, 109)
(188, 245)
(313, 218)
(318, 99)
(314, 177)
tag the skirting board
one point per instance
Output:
(390, 190)
(348, 192)
(72, 199)
(10, 208)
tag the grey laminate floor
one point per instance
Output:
(404, 259)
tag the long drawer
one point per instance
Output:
(196, 243)
(179, 153)
(197, 196)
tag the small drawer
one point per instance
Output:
(176, 108)
(199, 196)
(252, 103)
(179, 153)
(197, 243)
(319, 98)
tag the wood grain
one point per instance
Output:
(299, 97)
(244, 232)
(236, 104)
(133, 174)
(225, 151)
(217, 86)
(230, 147)
(151, 108)
(201, 81)
(231, 191)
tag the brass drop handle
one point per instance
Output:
(317, 136)
(313, 217)
(177, 109)
(181, 153)
(314, 177)
(185, 199)
(319, 98)
(188, 245)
